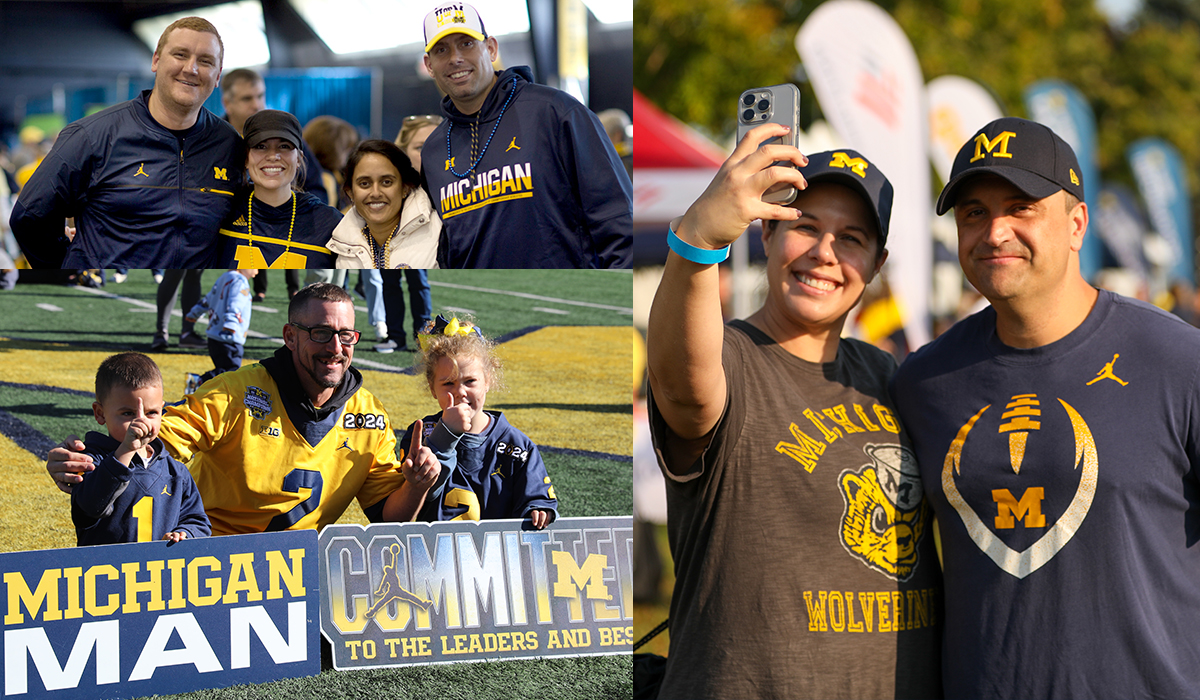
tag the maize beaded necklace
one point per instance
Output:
(250, 223)
(380, 253)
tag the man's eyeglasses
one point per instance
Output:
(322, 334)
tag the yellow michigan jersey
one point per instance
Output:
(254, 468)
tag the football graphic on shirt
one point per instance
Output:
(998, 481)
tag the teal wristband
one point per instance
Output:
(688, 251)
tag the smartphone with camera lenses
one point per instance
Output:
(777, 104)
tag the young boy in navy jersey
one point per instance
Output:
(498, 472)
(137, 491)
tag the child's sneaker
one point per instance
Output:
(192, 340)
(192, 381)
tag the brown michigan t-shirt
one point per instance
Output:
(803, 547)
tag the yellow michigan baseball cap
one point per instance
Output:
(452, 18)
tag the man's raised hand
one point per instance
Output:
(420, 467)
(66, 463)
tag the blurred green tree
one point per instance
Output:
(693, 57)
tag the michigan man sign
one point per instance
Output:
(128, 620)
(427, 593)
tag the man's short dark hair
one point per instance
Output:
(319, 291)
(1072, 200)
(237, 75)
(131, 370)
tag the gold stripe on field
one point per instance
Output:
(33, 513)
(68, 367)
(568, 386)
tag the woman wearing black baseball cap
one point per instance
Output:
(276, 224)
(803, 547)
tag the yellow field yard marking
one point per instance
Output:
(569, 387)
(33, 513)
(67, 367)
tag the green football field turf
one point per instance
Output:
(564, 339)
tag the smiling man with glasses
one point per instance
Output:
(286, 443)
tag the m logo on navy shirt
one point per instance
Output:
(1016, 517)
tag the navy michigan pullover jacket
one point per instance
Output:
(549, 190)
(143, 196)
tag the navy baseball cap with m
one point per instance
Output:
(1027, 154)
(851, 168)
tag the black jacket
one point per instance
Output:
(549, 191)
(141, 196)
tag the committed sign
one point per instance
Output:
(129, 620)
(427, 593)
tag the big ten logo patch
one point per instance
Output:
(886, 513)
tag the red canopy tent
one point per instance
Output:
(672, 163)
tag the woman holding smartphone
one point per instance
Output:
(274, 224)
(803, 549)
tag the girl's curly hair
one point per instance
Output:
(435, 346)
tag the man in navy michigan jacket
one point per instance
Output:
(147, 181)
(523, 175)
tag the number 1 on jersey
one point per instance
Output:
(143, 513)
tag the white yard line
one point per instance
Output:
(140, 305)
(535, 297)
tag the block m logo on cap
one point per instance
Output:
(982, 143)
(856, 165)
(453, 14)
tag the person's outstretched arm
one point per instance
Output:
(685, 331)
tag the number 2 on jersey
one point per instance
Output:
(295, 480)
(463, 497)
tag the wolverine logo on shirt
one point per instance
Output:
(885, 513)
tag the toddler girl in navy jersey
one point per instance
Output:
(137, 492)
(499, 472)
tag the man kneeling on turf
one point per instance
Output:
(288, 442)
